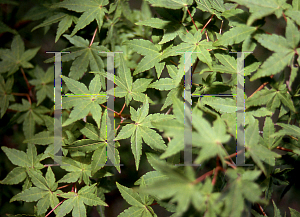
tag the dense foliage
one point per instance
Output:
(149, 106)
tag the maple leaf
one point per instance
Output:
(5, 93)
(92, 10)
(171, 27)
(173, 128)
(84, 100)
(180, 182)
(79, 170)
(259, 9)
(43, 83)
(77, 201)
(194, 43)
(212, 138)
(140, 202)
(83, 56)
(65, 21)
(16, 57)
(45, 191)
(153, 56)
(238, 179)
(272, 98)
(256, 150)
(284, 49)
(141, 129)
(26, 162)
(173, 4)
(127, 88)
(213, 6)
(97, 143)
(32, 115)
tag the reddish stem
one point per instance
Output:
(207, 23)
(192, 18)
(23, 94)
(93, 37)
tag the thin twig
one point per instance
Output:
(194, 68)
(192, 18)
(93, 37)
(234, 154)
(24, 76)
(27, 83)
(50, 165)
(230, 164)
(206, 36)
(201, 178)
(55, 207)
(261, 87)
(122, 109)
(64, 186)
(284, 149)
(207, 23)
(261, 209)
(221, 28)
(284, 16)
(110, 109)
(22, 94)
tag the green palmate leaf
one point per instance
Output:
(194, 43)
(257, 151)
(287, 130)
(236, 189)
(152, 54)
(173, 4)
(130, 196)
(127, 88)
(84, 100)
(214, 7)
(141, 129)
(178, 182)
(283, 48)
(26, 162)
(223, 105)
(79, 170)
(83, 56)
(15, 176)
(235, 35)
(65, 21)
(171, 28)
(43, 83)
(45, 192)
(32, 115)
(92, 10)
(16, 57)
(5, 93)
(211, 138)
(77, 201)
(260, 9)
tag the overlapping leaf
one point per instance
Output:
(140, 202)
(43, 83)
(45, 191)
(141, 129)
(5, 94)
(32, 115)
(173, 4)
(84, 100)
(92, 10)
(26, 162)
(76, 201)
(127, 88)
(16, 57)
